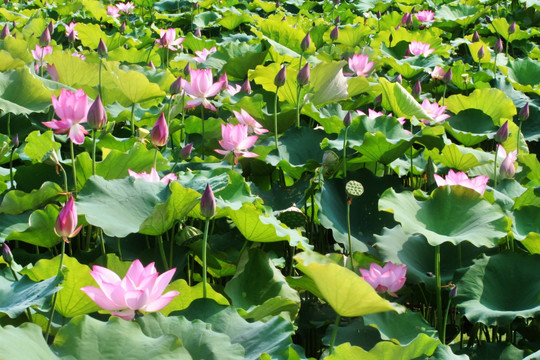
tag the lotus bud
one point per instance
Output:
(123, 27)
(208, 203)
(337, 20)
(246, 87)
(185, 152)
(405, 19)
(487, 18)
(177, 86)
(453, 292)
(196, 6)
(66, 222)
(379, 15)
(224, 81)
(447, 78)
(45, 38)
(198, 32)
(512, 28)
(475, 37)
(284, 18)
(399, 79)
(407, 53)
(281, 77)
(151, 65)
(97, 116)
(334, 33)
(50, 26)
(278, 4)
(6, 254)
(102, 49)
(502, 133)
(187, 70)
(303, 75)
(15, 141)
(498, 48)
(377, 101)
(71, 37)
(507, 169)
(160, 132)
(336, 2)
(5, 32)
(417, 89)
(306, 42)
(524, 113)
(347, 120)
(481, 53)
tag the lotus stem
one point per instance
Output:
(132, 123)
(445, 320)
(518, 136)
(334, 334)
(202, 140)
(205, 241)
(11, 167)
(439, 320)
(93, 152)
(349, 200)
(155, 157)
(73, 166)
(495, 167)
(162, 252)
(99, 86)
(55, 296)
(275, 120)
(345, 153)
(119, 248)
(298, 106)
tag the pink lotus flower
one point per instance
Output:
(387, 279)
(66, 222)
(153, 176)
(478, 184)
(140, 290)
(53, 73)
(419, 48)
(425, 16)
(200, 88)
(113, 11)
(39, 53)
(236, 141)
(507, 169)
(438, 73)
(360, 64)
(202, 55)
(435, 111)
(71, 29)
(253, 126)
(72, 109)
(160, 132)
(80, 56)
(126, 8)
(372, 114)
(168, 39)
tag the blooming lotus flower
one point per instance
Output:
(419, 48)
(387, 279)
(140, 290)
(66, 222)
(160, 132)
(72, 109)
(243, 117)
(435, 111)
(53, 73)
(236, 141)
(360, 64)
(168, 39)
(438, 73)
(507, 169)
(113, 11)
(372, 114)
(425, 16)
(201, 88)
(70, 31)
(501, 153)
(478, 184)
(80, 56)
(153, 176)
(202, 55)
(39, 53)
(126, 8)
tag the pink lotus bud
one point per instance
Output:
(337, 20)
(379, 15)
(97, 116)
(417, 89)
(524, 112)
(72, 37)
(66, 222)
(399, 79)
(447, 78)
(185, 152)
(246, 87)
(6, 254)
(334, 34)
(177, 86)
(196, 6)
(502, 133)
(151, 65)
(278, 4)
(224, 81)
(512, 28)
(160, 132)
(347, 120)
(187, 70)
(198, 33)
(208, 203)
(102, 49)
(498, 48)
(487, 18)
(481, 53)
(281, 76)
(405, 19)
(50, 26)
(45, 38)
(475, 37)
(306, 42)
(377, 101)
(123, 27)
(507, 169)
(5, 32)
(303, 75)
(453, 292)
(16, 142)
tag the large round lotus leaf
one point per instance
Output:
(452, 213)
(415, 252)
(423, 345)
(347, 293)
(500, 288)
(25, 342)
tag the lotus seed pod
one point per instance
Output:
(354, 188)
(330, 162)
(293, 217)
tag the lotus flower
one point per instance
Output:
(387, 279)
(372, 114)
(70, 31)
(419, 48)
(425, 16)
(236, 141)
(140, 290)
(66, 222)
(435, 111)
(168, 39)
(126, 7)
(160, 132)
(113, 11)
(39, 53)
(202, 55)
(478, 184)
(201, 88)
(153, 176)
(253, 126)
(438, 73)
(360, 64)
(507, 169)
(72, 109)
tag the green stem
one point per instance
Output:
(518, 136)
(162, 252)
(99, 85)
(349, 231)
(444, 94)
(495, 166)
(298, 107)
(155, 157)
(102, 241)
(345, 153)
(73, 165)
(205, 241)
(119, 248)
(93, 152)
(334, 334)
(445, 320)
(131, 120)
(182, 124)
(66, 189)
(202, 124)
(11, 168)
(275, 119)
(49, 323)
(438, 291)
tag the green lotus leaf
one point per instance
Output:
(243, 57)
(90, 34)
(188, 294)
(24, 342)
(87, 338)
(39, 145)
(11, 223)
(75, 72)
(470, 127)
(452, 213)
(16, 296)
(71, 301)
(351, 36)
(264, 76)
(525, 226)
(328, 83)
(458, 14)
(475, 47)
(498, 289)
(496, 351)
(347, 293)
(400, 101)
(410, 66)
(453, 157)
(501, 25)
(231, 21)
(17, 49)
(7, 62)
(21, 93)
(444, 352)
(40, 228)
(282, 33)
(329, 116)
(524, 74)
(16, 201)
(422, 346)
